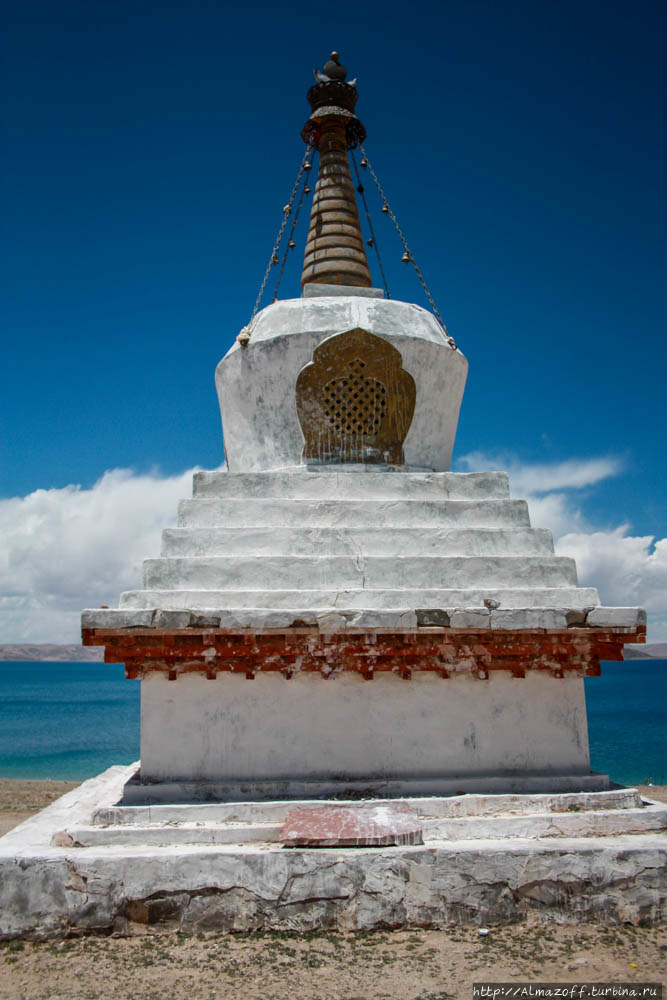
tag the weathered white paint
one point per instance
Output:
(273, 813)
(396, 513)
(351, 482)
(376, 572)
(315, 603)
(604, 823)
(50, 891)
(257, 384)
(262, 540)
(349, 728)
(264, 549)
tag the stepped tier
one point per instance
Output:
(371, 547)
(89, 865)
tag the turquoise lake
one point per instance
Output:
(72, 720)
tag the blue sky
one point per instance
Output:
(151, 148)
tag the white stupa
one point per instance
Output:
(337, 544)
(339, 616)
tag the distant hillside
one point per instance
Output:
(651, 651)
(49, 651)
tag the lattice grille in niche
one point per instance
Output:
(355, 403)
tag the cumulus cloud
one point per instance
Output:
(628, 570)
(65, 549)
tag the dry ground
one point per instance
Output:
(20, 799)
(382, 965)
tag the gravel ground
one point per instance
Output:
(381, 965)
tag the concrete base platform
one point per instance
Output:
(486, 858)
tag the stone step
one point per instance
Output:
(601, 823)
(309, 483)
(209, 512)
(332, 541)
(255, 608)
(167, 836)
(431, 807)
(529, 826)
(346, 572)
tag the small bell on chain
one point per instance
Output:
(385, 208)
(275, 259)
(406, 257)
(307, 189)
(360, 188)
(287, 210)
(291, 244)
(370, 242)
(307, 165)
(364, 162)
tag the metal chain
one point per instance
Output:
(287, 211)
(290, 238)
(385, 203)
(373, 240)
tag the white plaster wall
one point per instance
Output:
(346, 727)
(257, 384)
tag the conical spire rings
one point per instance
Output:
(335, 253)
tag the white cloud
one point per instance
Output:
(628, 570)
(543, 477)
(71, 548)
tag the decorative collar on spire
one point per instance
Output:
(333, 95)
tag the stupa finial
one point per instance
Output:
(335, 252)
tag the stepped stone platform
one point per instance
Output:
(353, 574)
(252, 548)
(87, 864)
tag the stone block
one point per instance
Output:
(368, 618)
(477, 618)
(204, 620)
(528, 618)
(118, 618)
(576, 618)
(332, 621)
(352, 826)
(172, 619)
(433, 616)
(616, 617)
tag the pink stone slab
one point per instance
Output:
(351, 826)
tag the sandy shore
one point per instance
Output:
(382, 965)
(20, 799)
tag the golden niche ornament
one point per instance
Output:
(355, 401)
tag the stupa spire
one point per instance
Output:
(335, 252)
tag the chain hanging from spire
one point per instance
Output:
(335, 252)
(407, 253)
(372, 242)
(244, 335)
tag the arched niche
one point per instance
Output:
(355, 401)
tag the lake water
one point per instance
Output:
(72, 720)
